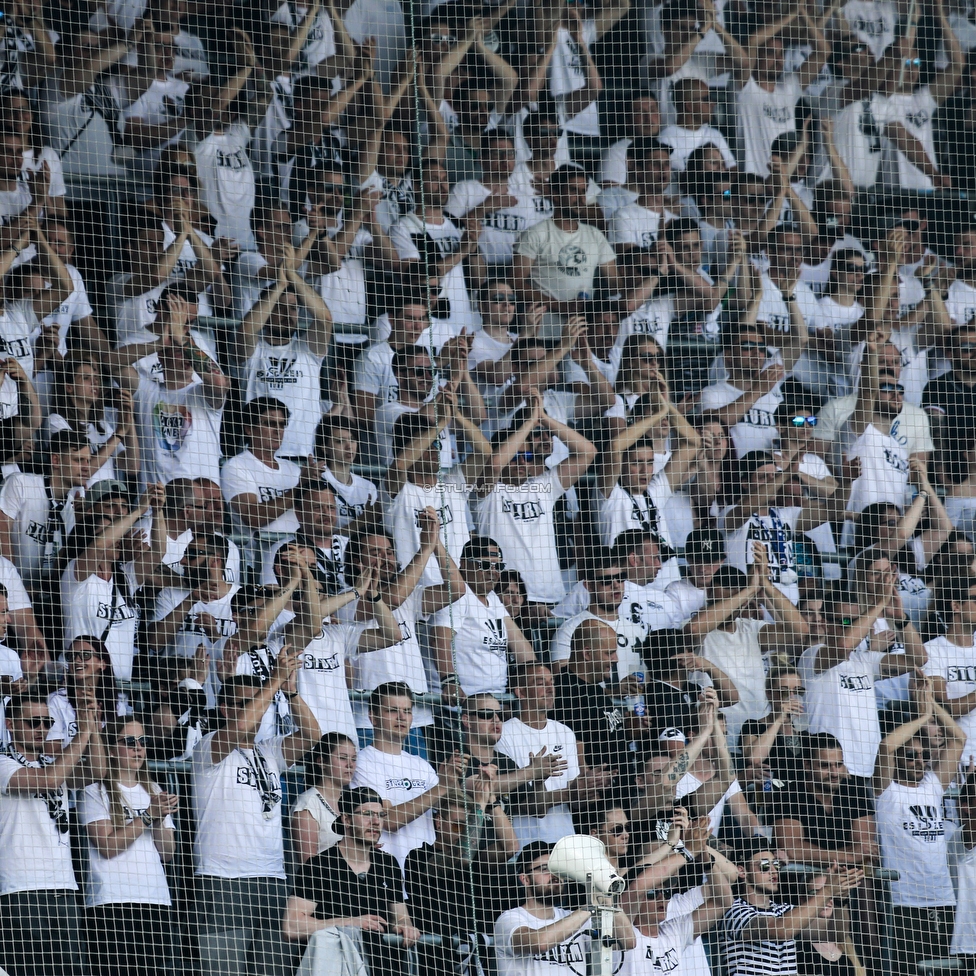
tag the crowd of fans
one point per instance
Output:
(428, 431)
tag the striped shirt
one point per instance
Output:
(757, 958)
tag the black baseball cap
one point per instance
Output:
(704, 546)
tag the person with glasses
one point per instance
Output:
(506, 199)
(413, 373)
(39, 912)
(87, 674)
(474, 638)
(761, 928)
(541, 936)
(910, 792)
(282, 364)
(357, 884)
(128, 818)
(797, 423)
(905, 106)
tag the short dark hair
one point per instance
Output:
(327, 428)
(351, 799)
(389, 689)
(594, 815)
(562, 176)
(233, 684)
(17, 703)
(596, 562)
(67, 442)
(254, 410)
(628, 542)
(478, 546)
(531, 852)
(818, 741)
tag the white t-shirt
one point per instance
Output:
(636, 225)
(884, 470)
(564, 264)
(621, 510)
(401, 662)
(373, 373)
(322, 677)
(764, 115)
(237, 803)
(445, 239)
(35, 847)
(661, 954)
(289, 373)
(567, 74)
(227, 185)
(913, 110)
(451, 504)
(136, 875)
(351, 499)
(842, 700)
(518, 742)
(520, 518)
(37, 537)
(858, 141)
(73, 309)
(631, 633)
(179, 431)
(10, 667)
(244, 474)
(961, 303)
(872, 22)
(500, 228)
(479, 643)
(105, 609)
(756, 431)
(739, 654)
(912, 831)
(957, 667)
(19, 329)
(399, 779)
(776, 532)
(313, 802)
(683, 142)
(566, 959)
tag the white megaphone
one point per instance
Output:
(582, 858)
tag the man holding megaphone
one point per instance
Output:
(539, 938)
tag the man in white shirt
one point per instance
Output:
(239, 847)
(693, 129)
(409, 785)
(539, 937)
(39, 911)
(952, 661)
(37, 511)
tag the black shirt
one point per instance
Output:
(671, 707)
(831, 829)
(338, 892)
(958, 402)
(597, 722)
(786, 757)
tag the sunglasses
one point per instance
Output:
(487, 714)
(750, 346)
(912, 62)
(525, 456)
(615, 830)
(967, 347)
(800, 421)
(765, 864)
(891, 388)
(914, 755)
(502, 297)
(79, 655)
(487, 564)
(651, 893)
(609, 580)
(854, 268)
(38, 721)
(843, 621)
(443, 39)
(131, 741)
